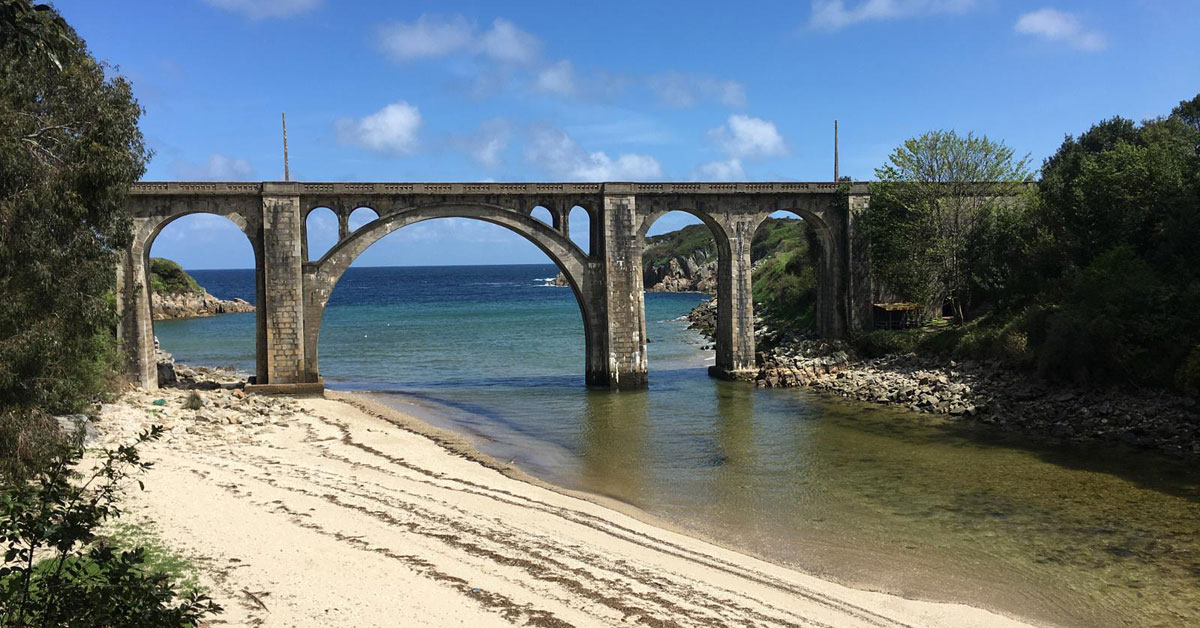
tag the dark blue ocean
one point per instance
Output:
(873, 496)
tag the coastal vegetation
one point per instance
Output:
(781, 251)
(1091, 277)
(177, 295)
(167, 277)
(69, 149)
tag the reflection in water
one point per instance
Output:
(734, 481)
(613, 459)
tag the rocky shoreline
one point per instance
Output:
(986, 392)
(689, 274)
(194, 305)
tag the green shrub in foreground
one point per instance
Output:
(58, 573)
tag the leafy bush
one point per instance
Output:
(883, 342)
(58, 572)
(1093, 279)
(1188, 377)
(69, 150)
(167, 277)
(1116, 325)
(785, 288)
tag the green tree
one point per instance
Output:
(69, 149)
(930, 200)
(1118, 216)
(1188, 112)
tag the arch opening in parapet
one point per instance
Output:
(361, 216)
(202, 280)
(680, 262)
(544, 215)
(437, 298)
(320, 232)
(580, 222)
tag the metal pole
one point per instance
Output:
(835, 151)
(286, 175)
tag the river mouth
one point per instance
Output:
(875, 497)
(882, 499)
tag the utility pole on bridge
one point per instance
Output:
(286, 175)
(835, 151)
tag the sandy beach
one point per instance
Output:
(340, 512)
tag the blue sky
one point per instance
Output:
(518, 91)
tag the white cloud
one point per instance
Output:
(674, 89)
(428, 36)
(263, 9)
(486, 145)
(834, 14)
(1057, 26)
(558, 78)
(433, 36)
(505, 42)
(752, 138)
(558, 154)
(392, 129)
(730, 170)
(218, 168)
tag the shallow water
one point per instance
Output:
(886, 499)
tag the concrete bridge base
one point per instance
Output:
(292, 290)
(316, 388)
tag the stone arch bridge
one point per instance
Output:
(292, 290)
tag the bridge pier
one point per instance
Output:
(624, 300)
(735, 301)
(284, 295)
(135, 334)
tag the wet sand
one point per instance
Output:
(340, 511)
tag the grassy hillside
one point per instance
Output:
(686, 242)
(784, 279)
(785, 282)
(167, 277)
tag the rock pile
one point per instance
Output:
(682, 274)
(192, 305)
(213, 412)
(988, 392)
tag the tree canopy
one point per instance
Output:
(1093, 276)
(931, 201)
(69, 149)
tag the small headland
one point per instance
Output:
(177, 295)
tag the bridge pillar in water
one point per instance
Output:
(284, 291)
(624, 302)
(735, 300)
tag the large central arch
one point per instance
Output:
(320, 277)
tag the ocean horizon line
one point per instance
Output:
(546, 263)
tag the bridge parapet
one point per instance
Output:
(301, 188)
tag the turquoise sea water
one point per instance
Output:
(884, 499)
